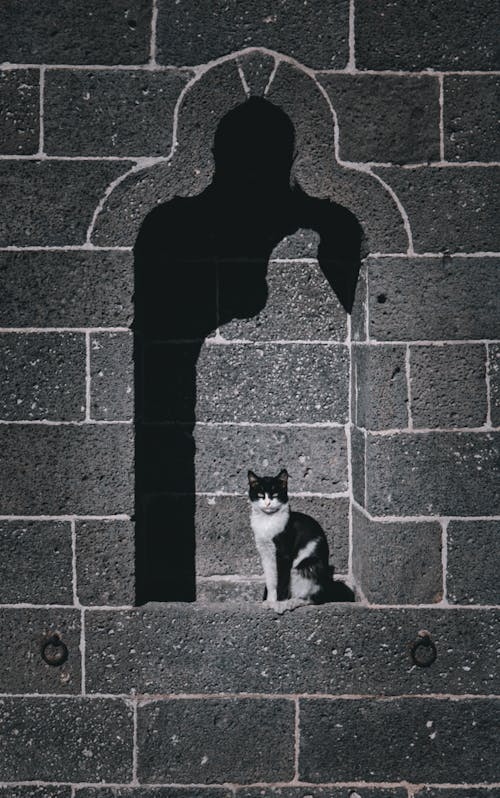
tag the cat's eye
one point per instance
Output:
(274, 496)
(260, 495)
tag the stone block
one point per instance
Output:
(405, 739)
(224, 539)
(22, 668)
(154, 792)
(111, 376)
(216, 740)
(444, 35)
(51, 203)
(122, 113)
(56, 470)
(397, 563)
(43, 375)
(245, 647)
(430, 299)
(323, 792)
(494, 376)
(300, 306)
(386, 118)
(450, 208)
(358, 458)
(448, 385)
(360, 305)
(36, 562)
(66, 289)
(89, 740)
(333, 515)
(105, 558)
(64, 32)
(470, 128)
(257, 68)
(316, 457)
(438, 473)
(473, 562)
(19, 125)
(241, 382)
(444, 792)
(315, 35)
(379, 389)
(240, 591)
(35, 792)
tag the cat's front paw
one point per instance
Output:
(278, 606)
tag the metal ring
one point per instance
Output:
(54, 651)
(423, 651)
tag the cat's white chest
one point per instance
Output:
(265, 527)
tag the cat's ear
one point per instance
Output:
(253, 479)
(283, 477)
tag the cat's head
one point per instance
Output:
(268, 494)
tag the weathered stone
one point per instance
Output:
(212, 591)
(105, 555)
(302, 244)
(358, 456)
(22, 668)
(443, 792)
(257, 68)
(322, 792)
(379, 388)
(154, 792)
(43, 375)
(385, 118)
(35, 562)
(494, 375)
(111, 376)
(19, 125)
(35, 792)
(360, 305)
(470, 128)
(333, 515)
(404, 739)
(216, 740)
(473, 562)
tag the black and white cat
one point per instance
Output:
(292, 546)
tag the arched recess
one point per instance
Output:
(186, 173)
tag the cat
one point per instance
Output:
(292, 546)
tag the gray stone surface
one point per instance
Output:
(333, 515)
(216, 740)
(110, 113)
(63, 32)
(213, 591)
(52, 202)
(449, 208)
(35, 562)
(379, 389)
(35, 792)
(316, 35)
(43, 376)
(19, 112)
(316, 457)
(441, 35)
(456, 792)
(273, 383)
(429, 299)
(494, 374)
(473, 562)
(54, 470)
(470, 127)
(322, 792)
(385, 118)
(359, 310)
(68, 739)
(358, 459)
(105, 556)
(300, 306)
(448, 385)
(414, 740)
(397, 563)
(335, 648)
(66, 289)
(155, 792)
(257, 69)
(445, 473)
(22, 668)
(111, 376)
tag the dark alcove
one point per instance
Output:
(199, 263)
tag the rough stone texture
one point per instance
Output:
(335, 648)
(398, 117)
(210, 591)
(322, 792)
(397, 563)
(66, 289)
(105, 562)
(440, 34)
(360, 306)
(316, 457)
(494, 374)
(470, 128)
(110, 113)
(35, 562)
(472, 792)
(413, 740)
(473, 562)
(300, 306)
(54, 470)
(52, 202)
(450, 208)
(239, 382)
(445, 473)
(22, 668)
(358, 459)
(89, 741)
(433, 299)
(257, 68)
(315, 35)
(35, 792)
(301, 244)
(333, 515)
(19, 109)
(448, 386)
(379, 389)
(111, 376)
(157, 792)
(43, 376)
(64, 32)
(216, 740)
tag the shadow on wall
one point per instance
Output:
(199, 263)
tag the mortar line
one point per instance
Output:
(73, 563)
(444, 557)
(351, 64)
(487, 367)
(423, 518)
(408, 387)
(152, 48)
(89, 246)
(45, 422)
(260, 784)
(64, 248)
(104, 608)
(65, 517)
(135, 752)
(429, 255)
(367, 303)
(144, 699)
(427, 342)
(272, 75)
(41, 131)
(348, 437)
(83, 650)
(402, 211)
(41, 330)
(366, 468)
(244, 83)
(381, 433)
(441, 117)
(87, 377)
(296, 773)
